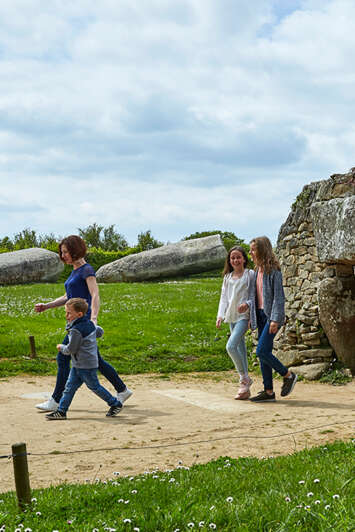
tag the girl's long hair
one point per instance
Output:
(227, 265)
(264, 256)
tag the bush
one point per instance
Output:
(97, 257)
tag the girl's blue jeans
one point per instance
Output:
(268, 361)
(236, 346)
(63, 362)
(76, 378)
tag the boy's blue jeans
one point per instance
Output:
(268, 361)
(89, 376)
(63, 362)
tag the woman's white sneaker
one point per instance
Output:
(123, 396)
(49, 405)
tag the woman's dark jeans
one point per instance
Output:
(268, 361)
(63, 362)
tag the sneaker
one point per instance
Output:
(114, 410)
(288, 385)
(242, 395)
(263, 397)
(49, 405)
(244, 391)
(123, 396)
(57, 414)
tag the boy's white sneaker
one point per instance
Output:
(49, 405)
(123, 396)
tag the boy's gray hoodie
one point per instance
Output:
(82, 345)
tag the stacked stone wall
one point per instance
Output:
(302, 342)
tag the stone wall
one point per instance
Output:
(316, 246)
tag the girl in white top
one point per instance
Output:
(236, 282)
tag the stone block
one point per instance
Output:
(336, 299)
(33, 265)
(334, 228)
(311, 372)
(186, 257)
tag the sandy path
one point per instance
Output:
(197, 411)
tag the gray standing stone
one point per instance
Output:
(336, 298)
(186, 257)
(29, 266)
(334, 229)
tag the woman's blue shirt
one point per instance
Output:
(76, 285)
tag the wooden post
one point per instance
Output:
(22, 479)
(33, 346)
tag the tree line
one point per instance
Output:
(95, 235)
(104, 238)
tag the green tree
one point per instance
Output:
(113, 241)
(92, 235)
(109, 241)
(6, 243)
(26, 239)
(49, 241)
(147, 241)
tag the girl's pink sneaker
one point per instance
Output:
(244, 388)
(242, 395)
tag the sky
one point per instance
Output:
(174, 117)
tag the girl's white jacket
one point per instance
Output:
(234, 292)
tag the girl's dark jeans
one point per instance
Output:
(268, 361)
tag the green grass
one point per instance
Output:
(336, 374)
(312, 490)
(149, 327)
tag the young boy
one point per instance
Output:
(82, 348)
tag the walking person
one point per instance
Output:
(267, 314)
(82, 348)
(236, 282)
(80, 283)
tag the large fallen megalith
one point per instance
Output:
(32, 265)
(186, 257)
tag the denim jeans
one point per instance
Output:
(236, 346)
(268, 361)
(63, 362)
(89, 376)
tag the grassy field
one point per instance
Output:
(149, 327)
(169, 327)
(312, 490)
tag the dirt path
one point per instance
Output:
(188, 418)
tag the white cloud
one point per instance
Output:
(160, 115)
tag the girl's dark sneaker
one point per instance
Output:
(114, 410)
(263, 397)
(57, 414)
(288, 385)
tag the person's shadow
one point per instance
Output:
(318, 404)
(129, 415)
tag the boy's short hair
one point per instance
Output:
(79, 304)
